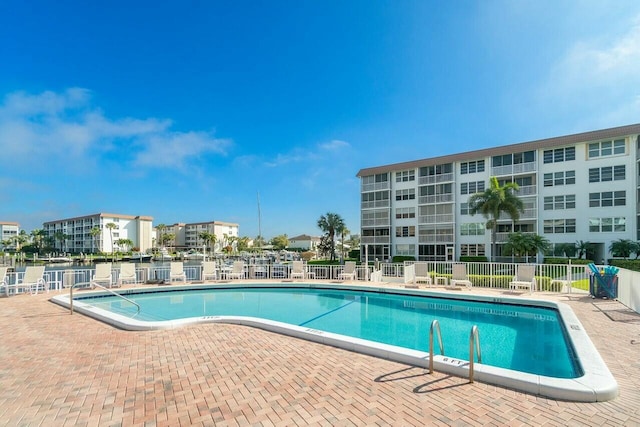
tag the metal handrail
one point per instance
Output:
(435, 325)
(474, 337)
(106, 289)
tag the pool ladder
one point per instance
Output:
(106, 289)
(474, 344)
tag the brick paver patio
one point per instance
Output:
(63, 370)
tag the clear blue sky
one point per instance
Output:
(187, 110)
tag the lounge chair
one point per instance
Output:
(297, 270)
(348, 272)
(237, 272)
(524, 278)
(102, 275)
(4, 281)
(32, 280)
(421, 274)
(209, 271)
(459, 276)
(127, 273)
(177, 272)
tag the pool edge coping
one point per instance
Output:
(596, 385)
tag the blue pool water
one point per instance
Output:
(522, 338)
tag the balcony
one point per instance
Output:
(436, 238)
(432, 219)
(375, 186)
(527, 190)
(375, 204)
(432, 179)
(438, 198)
(513, 169)
(375, 240)
(375, 222)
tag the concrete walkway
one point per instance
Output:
(59, 370)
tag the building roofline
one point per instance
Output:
(102, 215)
(506, 149)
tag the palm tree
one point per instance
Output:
(37, 236)
(331, 223)
(95, 232)
(583, 248)
(125, 243)
(161, 228)
(623, 248)
(209, 239)
(111, 226)
(493, 202)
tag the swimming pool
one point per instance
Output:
(535, 347)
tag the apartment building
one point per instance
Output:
(75, 234)
(576, 187)
(8, 232)
(188, 235)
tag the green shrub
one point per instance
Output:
(473, 259)
(402, 258)
(629, 264)
(552, 260)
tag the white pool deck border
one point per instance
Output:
(596, 385)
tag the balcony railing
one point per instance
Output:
(513, 169)
(432, 219)
(438, 198)
(376, 186)
(375, 204)
(375, 240)
(433, 179)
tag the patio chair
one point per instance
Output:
(237, 272)
(177, 272)
(4, 281)
(297, 270)
(32, 280)
(209, 271)
(127, 273)
(459, 276)
(348, 272)
(422, 274)
(102, 275)
(524, 278)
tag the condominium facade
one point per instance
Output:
(188, 235)
(8, 232)
(75, 234)
(581, 187)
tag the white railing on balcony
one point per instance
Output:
(527, 190)
(432, 219)
(433, 179)
(513, 169)
(375, 204)
(438, 198)
(376, 186)
(375, 240)
(374, 222)
(436, 238)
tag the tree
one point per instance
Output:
(583, 248)
(243, 243)
(526, 244)
(37, 236)
(210, 240)
(59, 236)
(493, 202)
(330, 224)
(111, 226)
(161, 228)
(280, 242)
(125, 243)
(623, 248)
(95, 232)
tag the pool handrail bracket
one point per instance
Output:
(94, 284)
(474, 338)
(435, 327)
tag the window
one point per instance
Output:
(436, 170)
(372, 179)
(514, 159)
(406, 231)
(607, 198)
(559, 155)
(607, 148)
(559, 178)
(472, 187)
(607, 173)
(558, 226)
(472, 250)
(472, 167)
(403, 213)
(567, 201)
(607, 225)
(407, 194)
(405, 250)
(472, 229)
(406, 176)
(464, 208)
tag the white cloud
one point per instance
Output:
(335, 145)
(52, 126)
(597, 79)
